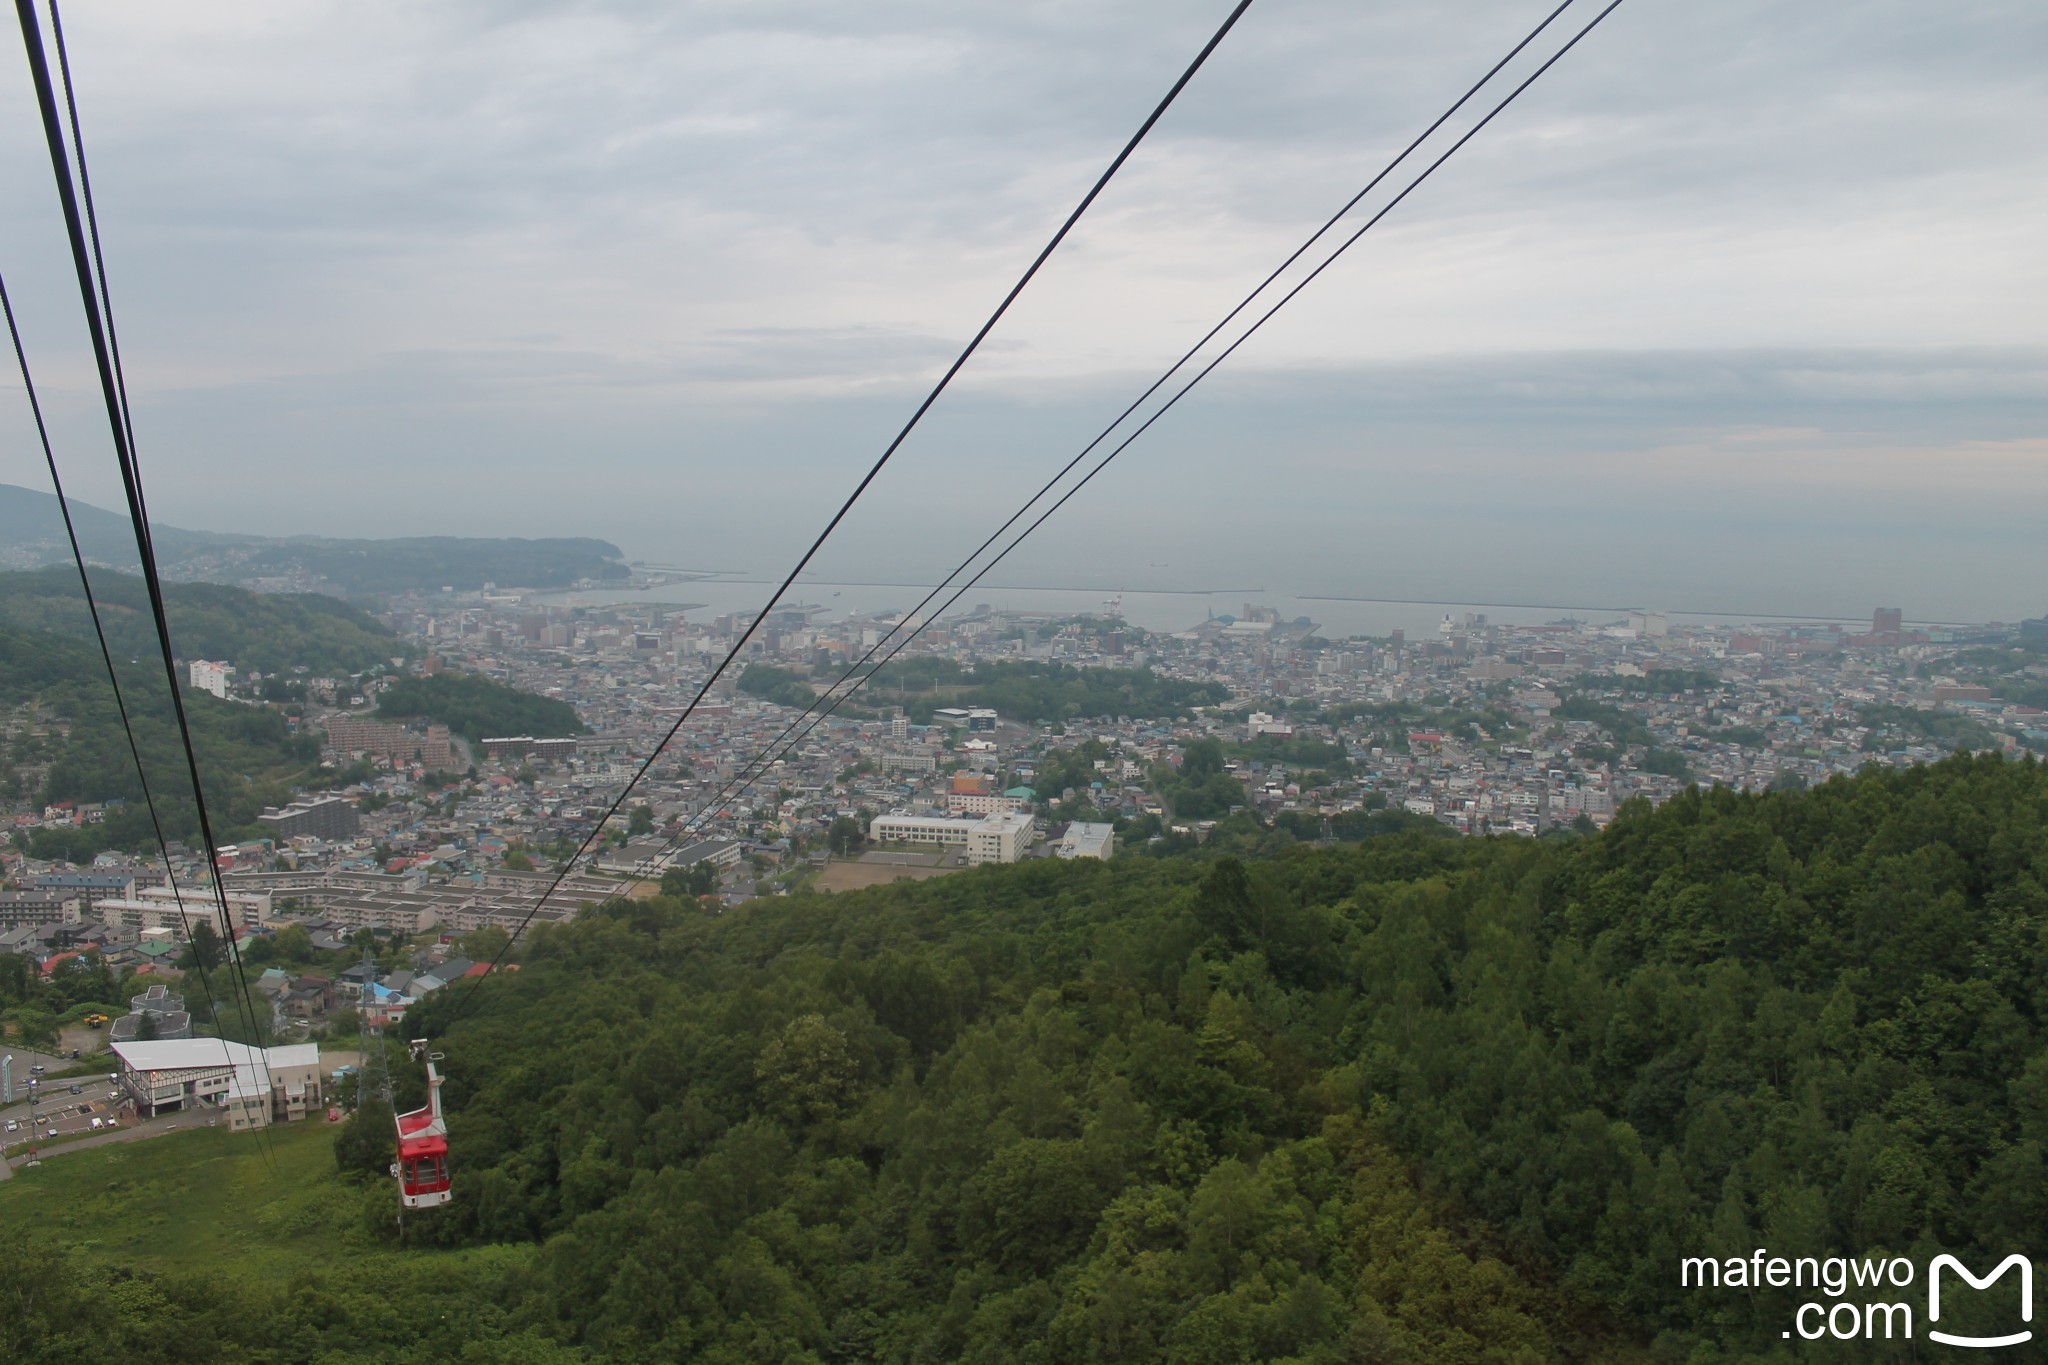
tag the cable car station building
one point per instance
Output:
(214, 1075)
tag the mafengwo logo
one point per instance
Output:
(1850, 1317)
(2012, 1262)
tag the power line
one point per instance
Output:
(98, 628)
(92, 224)
(833, 693)
(833, 698)
(32, 41)
(107, 358)
(958, 364)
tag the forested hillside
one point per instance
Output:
(1406, 1099)
(1136, 1110)
(476, 707)
(67, 745)
(375, 568)
(263, 632)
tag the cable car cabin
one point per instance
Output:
(422, 1165)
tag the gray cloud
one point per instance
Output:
(442, 248)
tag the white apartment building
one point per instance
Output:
(999, 838)
(1649, 623)
(1592, 801)
(160, 907)
(900, 827)
(975, 803)
(209, 676)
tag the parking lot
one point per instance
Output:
(61, 1108)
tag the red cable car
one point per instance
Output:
(422, 1165)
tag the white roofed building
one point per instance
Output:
(999, 837)
(252, 1087)
(1086, 840)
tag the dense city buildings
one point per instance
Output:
(1001, 736)
(1485, 727)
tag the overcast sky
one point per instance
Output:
(1741, 304)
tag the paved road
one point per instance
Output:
(24, 1059)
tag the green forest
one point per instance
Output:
(263, 632)
(783, 686)
(477, 707)
(1028, 692)
(247, 754)
(1410, 1098)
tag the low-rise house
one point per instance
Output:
(310, 997)
(446, 974)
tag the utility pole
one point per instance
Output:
(373, 1068)
(35, 1099)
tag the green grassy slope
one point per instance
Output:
(191, 1247)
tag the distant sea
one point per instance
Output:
(1338, 615)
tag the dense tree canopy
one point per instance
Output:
(1026, 691)
(1035, 693)
(477, 707)
(260, 632)
(1409, 1098)
(248, 756)
(783, 686)
(1076, 1103)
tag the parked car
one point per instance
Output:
(13, 1126)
